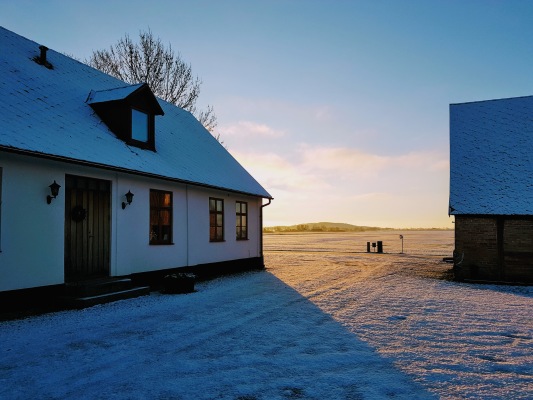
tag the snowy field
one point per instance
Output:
(326, 320)
(457, 340)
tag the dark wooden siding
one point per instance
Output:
(518, 250)
(87, 228)
(494, 248)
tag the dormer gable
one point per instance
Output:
(129, 112)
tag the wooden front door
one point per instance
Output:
(87, 228)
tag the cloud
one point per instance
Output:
(249, 128)
(316, 170)
(441, 165)
(372, 196)
(312, 183)
(322, 113)
(278, 173)
(340, 159)
(356, 162)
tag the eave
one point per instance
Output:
(106, 167)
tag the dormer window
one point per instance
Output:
(139, 126)
(129, 112)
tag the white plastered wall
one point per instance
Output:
(201, 250)
(191, 245)
(32, 232)
(134, 253)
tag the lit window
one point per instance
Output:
(139, 126)
(216, 220)
(160, 217)
(241, 214)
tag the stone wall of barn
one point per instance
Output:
(494, 248)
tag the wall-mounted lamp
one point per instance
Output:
(129, 199)
(54, 190)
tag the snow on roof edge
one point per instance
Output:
(489, 100)
(59, 110)
(125, 170)
(128, 89)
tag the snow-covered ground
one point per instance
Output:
(324, 321)
(458, 340)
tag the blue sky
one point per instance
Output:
(339, 108)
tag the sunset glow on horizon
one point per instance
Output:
(339, 109)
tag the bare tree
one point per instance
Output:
(169, 77)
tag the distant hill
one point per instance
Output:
(322, 227)
(333, 227)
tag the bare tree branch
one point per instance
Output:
(148, 61)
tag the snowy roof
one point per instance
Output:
(118, 93)
(44, 112)
(491, 162)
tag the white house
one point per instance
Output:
(142, 185)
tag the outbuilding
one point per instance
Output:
(491, 189)
(100, 178)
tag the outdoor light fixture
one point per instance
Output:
(54, 190)
(129, 199)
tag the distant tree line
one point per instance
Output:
(317, 228)
(345, 228)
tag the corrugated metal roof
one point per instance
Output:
(44, 112)
(491, 157)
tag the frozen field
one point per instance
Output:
(324, 321)
(436, 243)
(458, 340)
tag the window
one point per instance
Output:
(129, 112)
(160, 217)
(216, 220)
(241, 214)
(139, 126)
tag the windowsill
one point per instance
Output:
(217, 241)
(160, 244)
(148, 145)
(242, 240)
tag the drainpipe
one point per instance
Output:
(261, 229)
(187, 221)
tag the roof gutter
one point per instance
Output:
(123, 170)
(269, 201)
